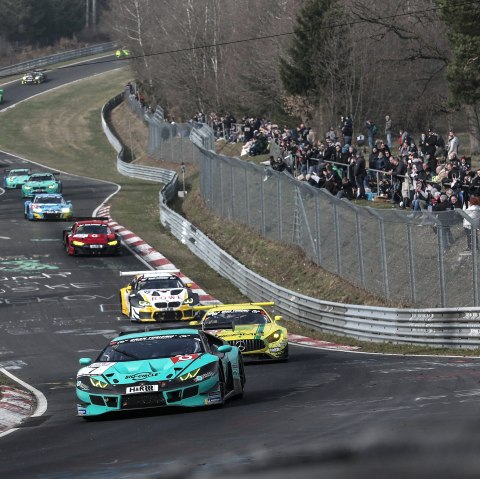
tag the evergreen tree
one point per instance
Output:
(463, 72)
(301, 73)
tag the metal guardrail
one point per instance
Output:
(56, 58)
(440, 327)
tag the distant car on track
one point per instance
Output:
(249, 327)
(158, 295)
(153, 369)
(1, 95)
(91, 237)
(41, 183)
(48, 207)
(34, 77)
(15, 178)
(122, 53)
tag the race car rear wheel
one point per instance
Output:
(243, 379)
(222, 385)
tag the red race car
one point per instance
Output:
(91, 237)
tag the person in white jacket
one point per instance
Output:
(473, 211)
(453, 143)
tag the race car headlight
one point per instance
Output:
(65, 210)
(77, 243)
(98, 383)
(112, 243)
(52, 186)
(188, 301)
(138, 301)
(36, 208)
(274, 337)
(27, 187)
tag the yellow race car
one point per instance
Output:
(248, 327)
(156, 296)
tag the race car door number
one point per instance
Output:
(146, 388)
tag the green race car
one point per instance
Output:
(15, 178)
(41, 183)
(159, 368)
(1, 95)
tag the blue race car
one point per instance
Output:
(15, 178)
(41, 183)
(48, 207)
(159, 368)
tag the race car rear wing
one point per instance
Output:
(203, 307)
(150, 272)
(88, 218)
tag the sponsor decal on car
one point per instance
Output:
(144, 388)
(202, 377)
(140, 376)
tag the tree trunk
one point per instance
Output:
(472, 114)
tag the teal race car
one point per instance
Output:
(41, 183)
(1, 95)
(15, 178)
(159, 368)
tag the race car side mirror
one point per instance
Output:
(226, 348)
(85, 361)
(278, 318)
(188, 285)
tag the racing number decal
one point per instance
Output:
(183, 357)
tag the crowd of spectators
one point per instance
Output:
(425, 174)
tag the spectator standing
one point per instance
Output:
(388, 131)
(474, 212)
(372, 130)
(360, 172)
(397, 172)
(453, 144)
(431, 143)
(347, 130)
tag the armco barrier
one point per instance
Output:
(440, 327)
(56, 58)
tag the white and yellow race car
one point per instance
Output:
(156, 296)
(247, 326)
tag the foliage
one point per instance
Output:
(463, 73)
(41, 22)
(299, 70)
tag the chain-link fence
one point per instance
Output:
(417, 257)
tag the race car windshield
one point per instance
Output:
(41, 178)
(45, 200)
(237, 317)
(93, 229)
(157, 347)
(18, 173)
(161, 283)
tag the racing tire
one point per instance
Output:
(222, 386)
(243, 379)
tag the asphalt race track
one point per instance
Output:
(322, 414)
